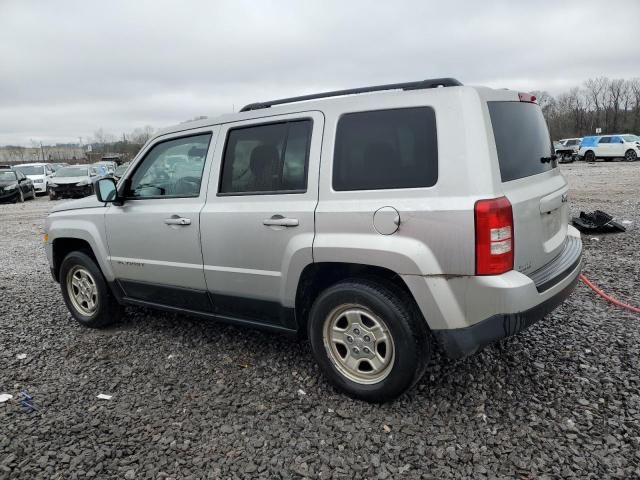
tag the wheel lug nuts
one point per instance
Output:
(366, 338)
(356, 331)
(356, 350)
(365, 350)
(349, 339)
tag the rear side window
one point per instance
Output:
(269, 158)
(522, 139)
(386, 149)
(604, 140)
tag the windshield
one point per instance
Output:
(8, 176)
(522, 139)
(32, 170)
(631, 138)
(72, 172)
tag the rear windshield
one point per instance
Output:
(522, 139)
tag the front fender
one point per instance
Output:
(81, 225)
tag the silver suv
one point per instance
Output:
(380, 223)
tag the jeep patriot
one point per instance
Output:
(380, 223)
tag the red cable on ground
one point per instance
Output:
(588, 283)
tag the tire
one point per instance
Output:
(52, 196)
(630, 155)
(81, 267)
(589, 156)
(33, 193)
(375, 309)
(20, 197)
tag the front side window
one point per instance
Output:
(269, 158)
(386, 149)
(171, 169)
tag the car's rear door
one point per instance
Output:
(258, 221)
(154, 236)
(531, 181)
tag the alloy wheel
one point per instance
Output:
(83, 290)
(359, 344)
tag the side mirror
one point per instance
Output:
(106, 190)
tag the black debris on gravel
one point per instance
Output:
(192, 399)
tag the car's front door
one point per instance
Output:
(258, 221)
(617, 147)
(604, 148)
(154, 236)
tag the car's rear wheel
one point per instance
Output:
(86, 292)
(630, 155)
(590, 156)
(369, 339)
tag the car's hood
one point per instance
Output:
(35, 177)
(68, 180)
(87, 202)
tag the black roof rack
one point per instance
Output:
(431, 83)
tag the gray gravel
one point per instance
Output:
(195, 399)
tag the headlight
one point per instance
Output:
(83, 183)
(38, 180)
(10, 188)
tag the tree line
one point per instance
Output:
(613, 105)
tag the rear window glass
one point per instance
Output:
(386, 149)
(522, 139)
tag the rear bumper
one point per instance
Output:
(467, 313)
(461, 342)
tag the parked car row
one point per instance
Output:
(58, 180)
(605, 147)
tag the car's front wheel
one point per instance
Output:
(590, 156)
(369, 339)
(630, 155)
(86, 292)
(19, 197)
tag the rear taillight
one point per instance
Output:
(494, 236)
(527, 97)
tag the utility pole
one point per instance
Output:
(42, 150)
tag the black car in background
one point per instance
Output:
(15, 186)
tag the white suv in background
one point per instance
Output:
(38, 173)
(608, 147)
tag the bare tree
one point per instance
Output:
(596, 90)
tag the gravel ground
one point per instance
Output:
(195, 399)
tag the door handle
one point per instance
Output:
(176, 220)
(280, 221)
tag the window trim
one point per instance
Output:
(412, 107)
(127, 179)
(267, 192)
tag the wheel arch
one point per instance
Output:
(316, 277)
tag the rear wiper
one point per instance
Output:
(552, 158)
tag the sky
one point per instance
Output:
(69, 68)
